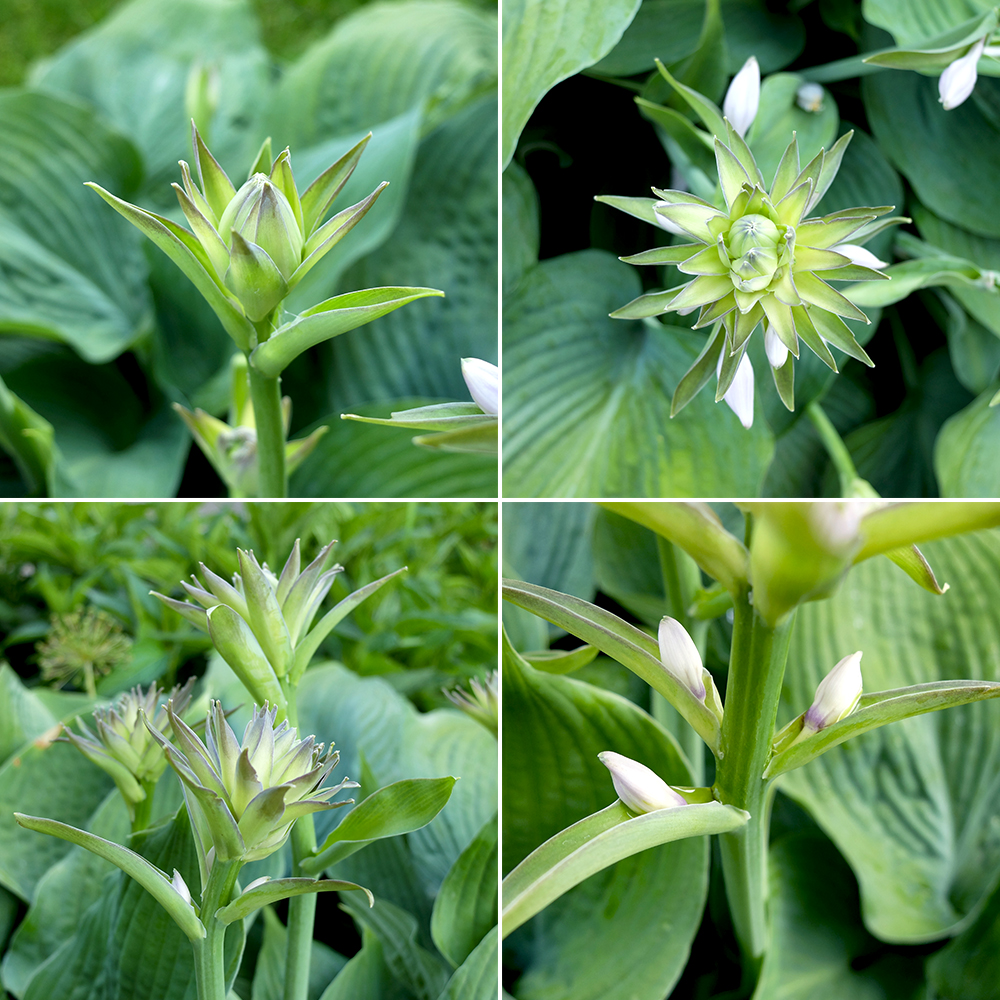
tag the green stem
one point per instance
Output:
(756, 668)
(265, 393)
(88, 679)
(301, 909)
(210, 953)
(835, 448)
(144, 809)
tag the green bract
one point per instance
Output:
(123, 746)
(759, 259)
(244, 798)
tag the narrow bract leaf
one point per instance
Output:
(402, 807)
(155, 882)
(330, 319)
(239, 647)
(318, 197)
(620, 640)
(283, 888)
(215, 183)
(880, 709)
(600, 840)
(254, 278)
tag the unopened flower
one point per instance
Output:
(244, 797)
(809, 97)
(640, 789)
(759, 259)
(859, 255)
(681, 659)
(255, 244)
(482, 703)
(837, 695)
(743, 96)
(482, 378)
(123, 746)
(739, 396)
(957, 81)
(180, 886)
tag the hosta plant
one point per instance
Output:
(246, 250)
(819, 642)
(245, 798)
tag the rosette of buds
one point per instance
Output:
(262, 624)
(123, 745)
(244, 797)
(758, 259)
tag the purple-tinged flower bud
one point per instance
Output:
(640, 789)
(837, 695)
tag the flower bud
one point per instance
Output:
(482, 379)
(752, 244)
(837, 695)
(180, 886)
(743, 97)
(739, 395)
(958, 79)
(262, 215)
(680, 656)
(640, 789)
(809, 97)
(777, 352)
(859, 255)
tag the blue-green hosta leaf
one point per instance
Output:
(29, 440)
(545, 41)
(920, 139)
(354, 459)
(447, 239)
(601, 388)
(70, 270)
(134, 67)
(520, 224)
(909, 804)
(49, 777)
(421, 971)
(366, 716)
(476, 977)
(466, 905)
(365, 975)
(913, 22)
(388, 58)
(23, 716)
(966, 455)
(817, 940)
(554, 729)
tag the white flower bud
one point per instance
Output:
(664, 223)
(739, 395)
(743, 97)
(777, 353)
(639, 788)
(181, 886)
(679, 655)
(809, 97)
(958, 79)
(837, 695)
(482, 378)
(859, 255)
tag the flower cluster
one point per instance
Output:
(758, 259)
(123, 745)
(244, 797)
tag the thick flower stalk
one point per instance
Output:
(262, 624)
(122, 745)
(760, 261)
(244, 797)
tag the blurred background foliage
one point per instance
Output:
(101, 333)
(580, 120)
(433, 627)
